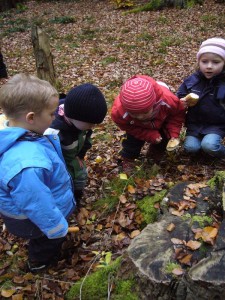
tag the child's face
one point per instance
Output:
(143, 116)
(211, 64)
(43, 120)
(82, 125)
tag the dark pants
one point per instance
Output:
(131, 146)
(40, 249)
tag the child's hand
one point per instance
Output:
(158, 140)
(184, 102)
(191, 99)
(173, 144)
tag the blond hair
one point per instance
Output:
(25, 93)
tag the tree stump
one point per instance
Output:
(43, 55)
(147, 258)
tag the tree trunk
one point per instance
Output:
(3, 72)
(7, 4)
(43, 55)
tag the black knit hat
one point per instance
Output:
(85, 103)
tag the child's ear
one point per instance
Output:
(30, 117)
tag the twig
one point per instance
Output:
(109, 286)
(56, 280)
(88, 271)
(38, 293)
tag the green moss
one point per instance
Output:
(96, 285)
(171, 266)
(218, 180)
(150, 6)
(146, 206)
(201, 220)
(124, 291)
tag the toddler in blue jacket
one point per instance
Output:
(205, 121)
(35, 187)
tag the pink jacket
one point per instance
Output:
(169, 116)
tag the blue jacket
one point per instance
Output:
(208, 115)
(34, 182)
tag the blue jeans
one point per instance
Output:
(210, 144)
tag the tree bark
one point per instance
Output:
(7, 4)
(43, 55)
(3, 71)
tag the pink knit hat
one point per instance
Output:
(213, 45)
(137, 95)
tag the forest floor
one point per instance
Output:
(94, 42)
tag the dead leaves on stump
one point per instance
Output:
(184, 249)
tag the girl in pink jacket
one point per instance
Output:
(148, 112)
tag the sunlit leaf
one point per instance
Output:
(108, 257)
(123, 176)
(131, 189)
(98, 159)
(7, 293)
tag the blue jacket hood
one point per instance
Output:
(9, 136)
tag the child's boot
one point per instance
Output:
(78, 196)
(36, 267)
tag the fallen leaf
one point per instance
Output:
(17, 297)
(7, 293)
(131, 189)
(18, 279)
(98, 159)
(193, 245)
(170, 227)
(157, 205)
(186, 260)
(181, 168)
(123, 176)
(177, 241)
(120, 236)
(122, 199)
(134, 233)
(99, 227)
(177, 213)
(178, 271)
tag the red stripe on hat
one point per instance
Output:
(137, 95)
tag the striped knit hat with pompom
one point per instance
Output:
(137, 95)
